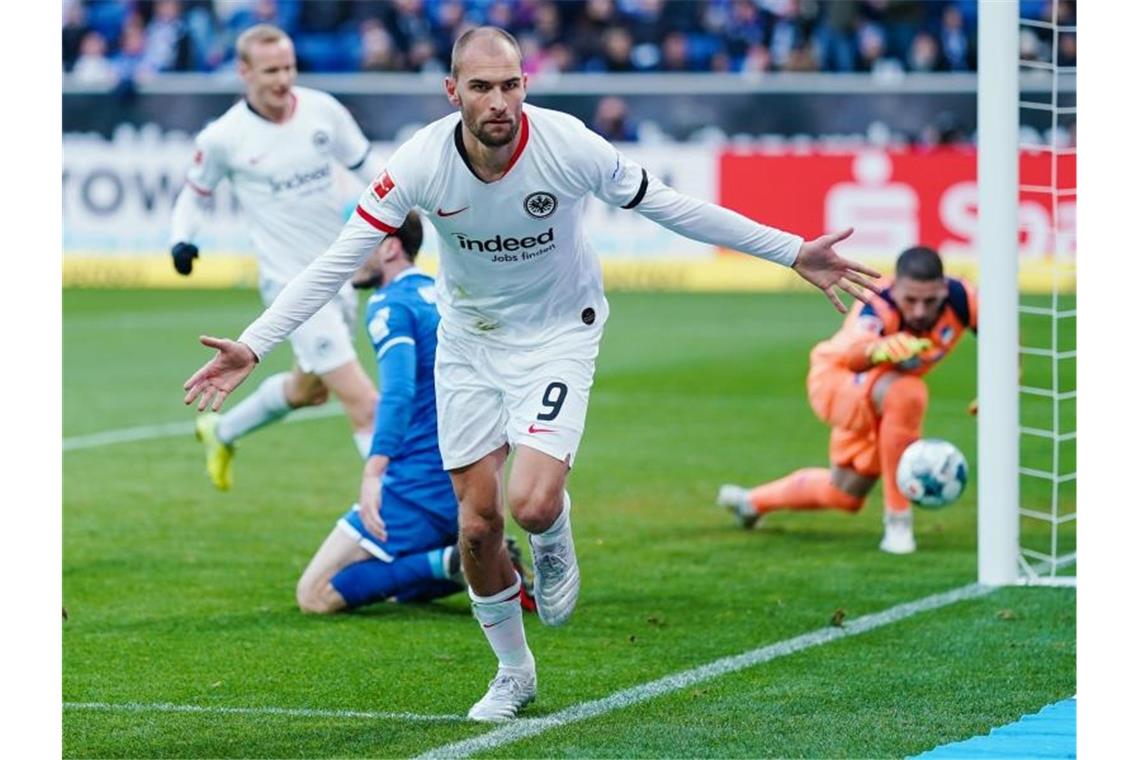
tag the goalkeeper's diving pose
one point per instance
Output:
(866, 383)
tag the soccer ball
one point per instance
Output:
(932, 473)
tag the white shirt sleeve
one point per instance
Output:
(388, 198)
(349, 145)
(609, 175)
(314, 287)
(210, 165)
(716, 225)
(188, 215)
(618, 181)
(208, 168)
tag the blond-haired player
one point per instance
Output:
(277, 147)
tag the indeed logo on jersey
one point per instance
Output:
(499, 244)
(300, 179)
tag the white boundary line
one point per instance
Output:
(174, 429)
(526, 727)
(186, 428)
(291, 712)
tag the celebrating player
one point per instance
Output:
(521, 315)
(277, 147)
(866, 383)
(399, 540)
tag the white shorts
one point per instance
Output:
(324, 341)
(487, 396)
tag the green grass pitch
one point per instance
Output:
(182, 596)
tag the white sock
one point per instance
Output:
(502, 623)
(265, 405)
(898, 516)
(558, 528)
(363, 441)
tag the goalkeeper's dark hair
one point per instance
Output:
(919, 263)
(411, 235)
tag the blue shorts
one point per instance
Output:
(412, 529)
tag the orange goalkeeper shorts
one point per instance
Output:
(842, 399)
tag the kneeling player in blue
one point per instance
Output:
(398, 542)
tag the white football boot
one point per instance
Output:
(556, 579)
(507, 693)
(735, 500)
(898, 533)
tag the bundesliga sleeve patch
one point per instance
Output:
(382, 186)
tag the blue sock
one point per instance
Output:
(373, 580)
(438, 566)
(428, 590)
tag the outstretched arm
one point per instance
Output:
(816, 260)
(300, 299)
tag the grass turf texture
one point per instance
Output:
(178, 594)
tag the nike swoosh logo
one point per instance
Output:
(509, 599)
(441, 212)
(532, 430)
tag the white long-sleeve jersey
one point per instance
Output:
(516, 267)
(282, 174)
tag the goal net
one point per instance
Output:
(1047, 320)
(1027, 433)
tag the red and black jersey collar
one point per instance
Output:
(524, 136)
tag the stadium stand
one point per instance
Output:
(147, 37)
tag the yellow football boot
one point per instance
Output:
(219, 455)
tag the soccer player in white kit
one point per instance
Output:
(522, 309)
(277, 147)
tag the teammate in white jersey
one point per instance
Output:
(277, 147)
(522, 309)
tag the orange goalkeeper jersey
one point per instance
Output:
(882, 317)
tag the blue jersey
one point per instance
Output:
(402, 320)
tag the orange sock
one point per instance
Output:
(809, 488)
(901, 425)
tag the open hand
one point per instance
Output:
(369, 503)
(819, 264)
(218, 377)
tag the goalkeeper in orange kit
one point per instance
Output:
(866, 383)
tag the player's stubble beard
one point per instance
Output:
(481, 133)
(917, 327)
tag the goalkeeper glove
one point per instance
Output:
(184, 255)
(897, 348)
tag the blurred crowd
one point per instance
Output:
(105, 41)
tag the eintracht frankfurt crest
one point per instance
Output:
(540, 205)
